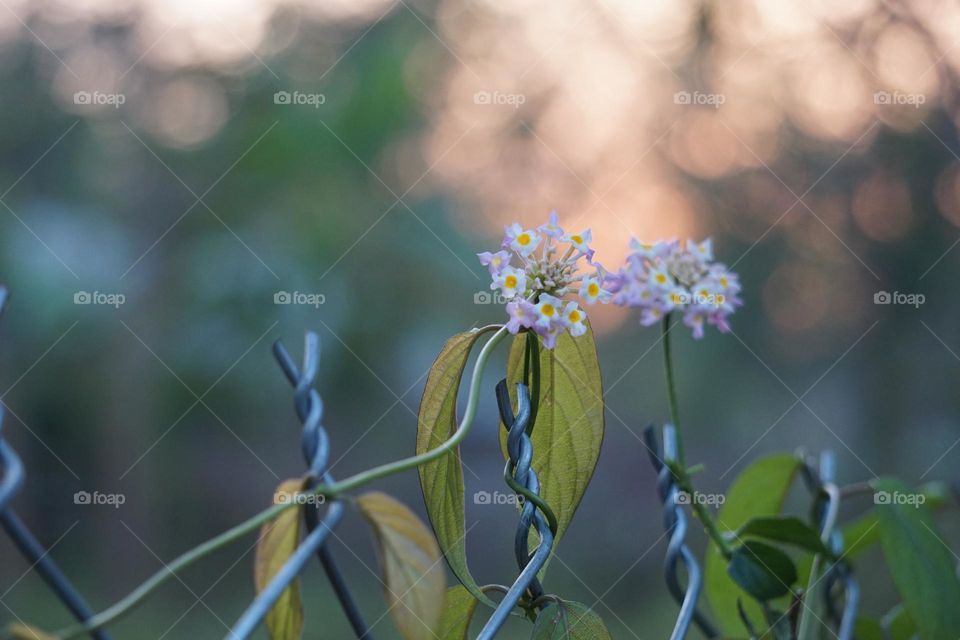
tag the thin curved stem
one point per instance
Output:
(135, 597)
(678, 467)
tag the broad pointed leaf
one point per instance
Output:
(922, 565)
(570, 420)
(757, 492)
(278, 540)
(788, 530)
(442, 480)
(410, 561)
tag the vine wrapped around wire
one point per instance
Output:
(535, 513)
(675, 523)
(820, 477)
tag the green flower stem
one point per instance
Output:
(333, 490)
(671, 385)
(679, 469)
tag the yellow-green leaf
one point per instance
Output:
(569, 425)
(757, 492)
(19, 631)
(278, 540)
(458, 610)
(442, 479)
(410, 560)
(569, 621)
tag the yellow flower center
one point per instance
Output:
(577, 239)
(510, 282)
(661, 279)
(574, 316)
(593, 289)
(548, 310)
(523, 239)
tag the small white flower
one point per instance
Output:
(523, 241)
(591, 291)
(549, 309)
(573, 319)
(510, 281)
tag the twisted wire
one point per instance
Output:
(524, 478)
(820, 479)
(316, 450)
(675, 523)
(31, 549)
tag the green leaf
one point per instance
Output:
(442, 480)
(899, 624)
(763, 571)
(758, 491)
(278, 540)
(413, 576)
(569, 427)
(569, 621)
(867, 629)
(864, 532)
(458, 609)
(922, 566)
(788, 530)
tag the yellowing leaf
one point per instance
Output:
(442, 480)
(278, 540)
(19, 631)
(458, 609)
(410, 560)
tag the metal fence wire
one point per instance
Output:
(535, 514)
(818, 474)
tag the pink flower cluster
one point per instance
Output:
(669, 276)
(534, 289)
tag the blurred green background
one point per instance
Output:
(200, 157)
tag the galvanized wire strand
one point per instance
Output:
(520, 454)
(316, 446)
(26, 543)
(675, 523)
(820, 478)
